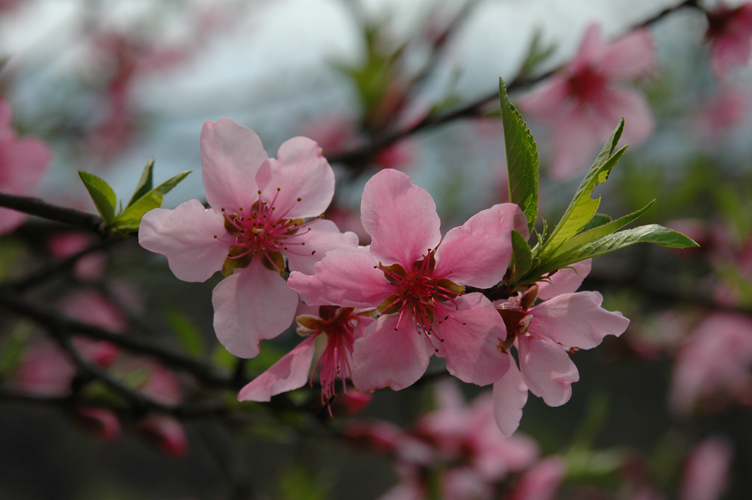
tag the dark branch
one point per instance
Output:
(70, 216)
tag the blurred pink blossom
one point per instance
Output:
(45, 370)
(542, 481)
(165, 433)
(417, 285)
(22, 164)
(713, 366)
(729, 33)
(255, 223)
(584, 102)
(99, 421)
(89, 267)
(706, 470)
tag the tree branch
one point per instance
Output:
(70, 216)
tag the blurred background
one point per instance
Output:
(661, 412)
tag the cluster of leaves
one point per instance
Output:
(146, 197)
(581, 233)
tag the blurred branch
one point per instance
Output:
(359, 157)
(39, 208)
(50, 270)
(51, 319)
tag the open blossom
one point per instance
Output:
(22, 163)
(583, 103)
(706, 472)
(730, 36)
(255, 224)
(714, 365)
(542, 335)
(340, 326)
(417, 285)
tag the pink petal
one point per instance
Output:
(629, 57)
(186, 236)
(566, 280)
(471, 339)
(166, 433)
(251, 305)
(323, 237)
(10, 220)
(290, 372)
(542, 481)
(509, 397)
(477, 253)
(102, 423)
(638, 119)
(576, 320)
(23, 162)
(347, 278)
(549, 102)
(300, 172)
(546, 370)
(400, 217)
(592, 49)
(230, 157)
(706, 474)
(389, 354)
(575, 141)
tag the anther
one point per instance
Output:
(300, 199)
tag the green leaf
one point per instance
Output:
(187, 332)
(582, 207)
(522, 158)
(597, 220)
(145, 183)
(601, 231)
(652, 233)
(129, 219)
(523, 257)
(102, 195)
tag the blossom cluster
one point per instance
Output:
(384, 309)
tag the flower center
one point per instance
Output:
(260, 231)
(419, 293)
(587, 86)
(514, 312)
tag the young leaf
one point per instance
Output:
(102, 195)
(582, 207)
(522, 158)
(129, 219)
(600, 231)
(523, 257)
(652, 233)
(145, 183)
(597, 220)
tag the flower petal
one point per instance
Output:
(477, 253)
(638, 119)
(323, 237)
(470, 340)
(230, 157)
(549, 102)
(509, 397)
(566, 280)
(186, 236)
(575, 139)
(400, 217)
(290, 372)
(546, 370)
(344, 277)
(631, 56)
(299, 173)
(251, 305)
(576, 320)
(390, 353)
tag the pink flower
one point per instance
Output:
(729, 33)
(584, 102)
(714, 365)
(256, 220)
(340, 326)
(89, 267)
(22, 163)
(542, 481)
(542, 335)
(165, 433)
(706, 471)
(417, 286)
(102, 423)
(45, 370)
